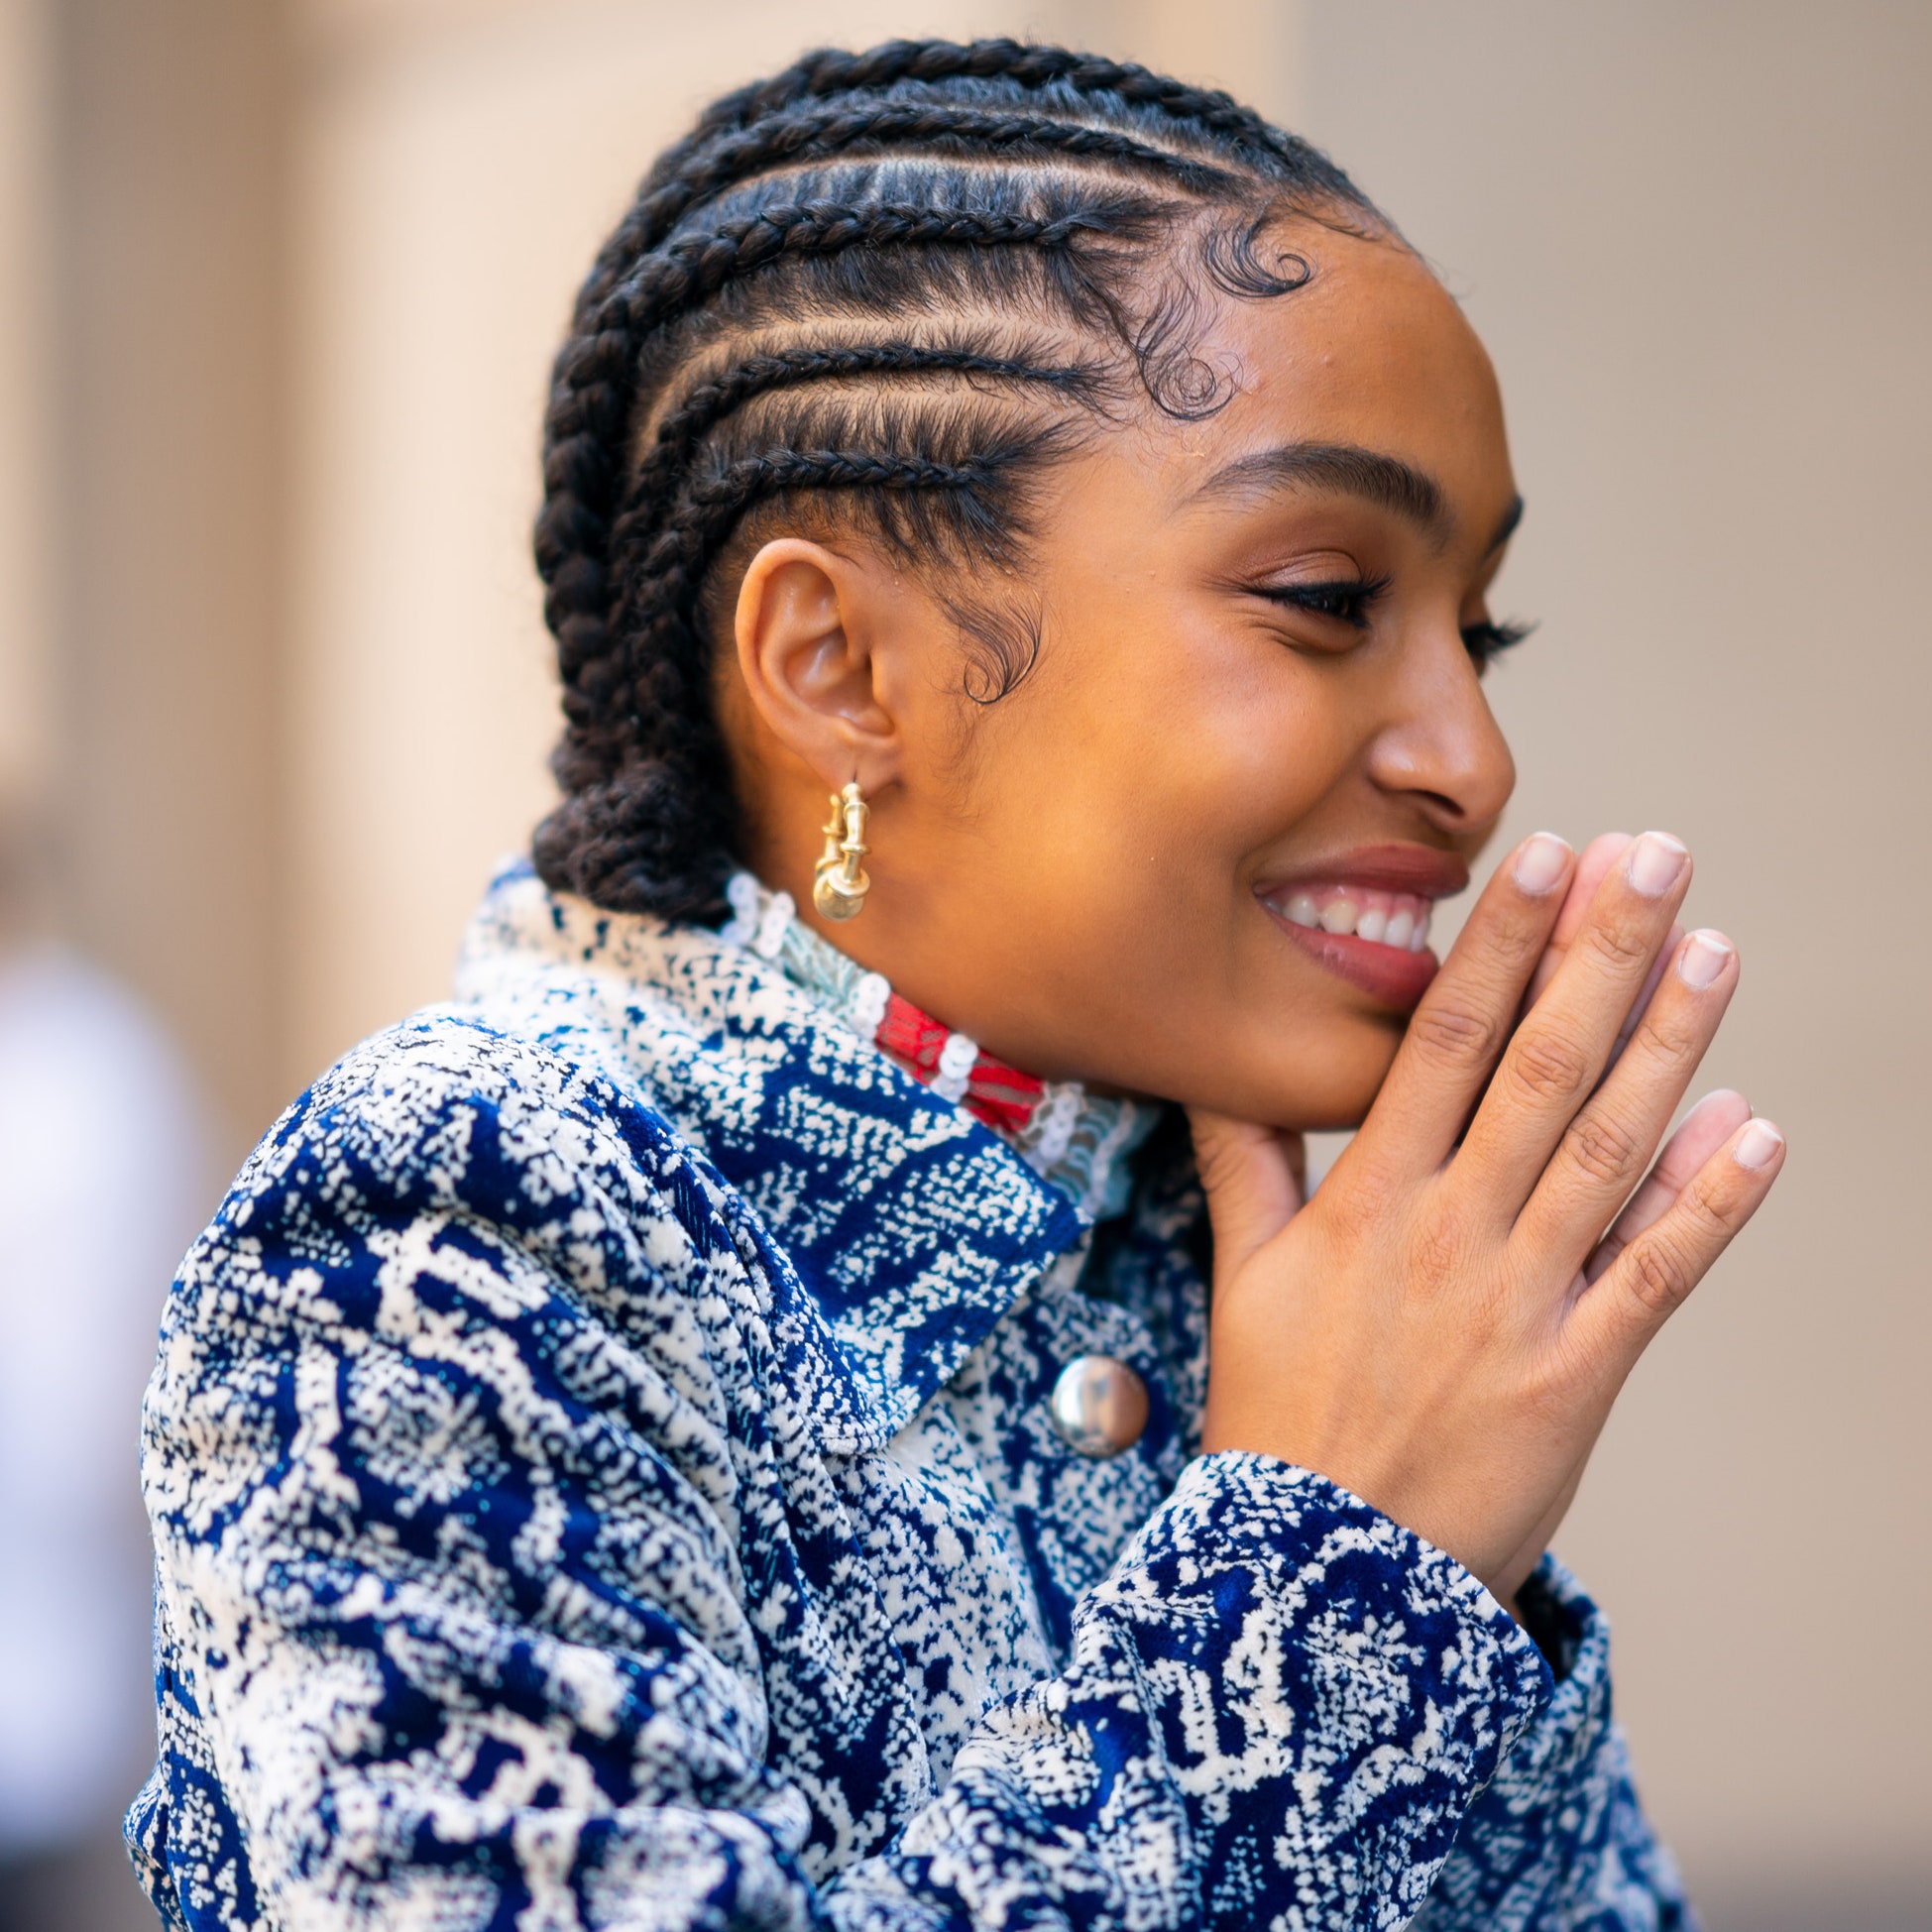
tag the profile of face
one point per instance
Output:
(1193, 854)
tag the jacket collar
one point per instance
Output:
(899, 1229)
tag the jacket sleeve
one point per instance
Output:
(1557, 1838)
(455, 1626)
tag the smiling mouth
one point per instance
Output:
(1397, 920)
(1374, 937)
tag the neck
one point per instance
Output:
(1076, 1139)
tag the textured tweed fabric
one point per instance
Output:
(601, 1476)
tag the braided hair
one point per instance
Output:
(882, 293)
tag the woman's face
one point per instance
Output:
(1187, 857)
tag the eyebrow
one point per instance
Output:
(1370, 474)
(1507, 527)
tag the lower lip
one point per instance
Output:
(1390, 973)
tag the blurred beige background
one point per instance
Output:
(279, 286)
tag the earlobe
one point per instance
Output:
(805, 627)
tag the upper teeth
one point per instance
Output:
(1398, 919)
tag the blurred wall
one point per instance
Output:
(25, 323)
(157, 466)
(311, 262)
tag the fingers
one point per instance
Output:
(1667, 952)
(1456, 1033)
(1254, 1178)
(1606, 1148)
(1705, 1128)
(1593, 864)
(1564, 1042)
(1659, 1266)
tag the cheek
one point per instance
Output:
(1165, 780)
(1221, 747)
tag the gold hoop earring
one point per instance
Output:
(839, 882)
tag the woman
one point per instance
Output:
(721, 1425)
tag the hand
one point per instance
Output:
(1444, 1327)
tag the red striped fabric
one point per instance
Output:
(1000, 1095)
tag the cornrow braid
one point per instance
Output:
(707, 404)
(831, 70)
(699, 264)
(684, 171)
(819, 133)
(591, 396)
(886, 293)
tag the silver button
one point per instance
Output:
(1099, 1404)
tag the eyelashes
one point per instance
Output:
(1348, 599)
(1484, 640)
(1352, 600)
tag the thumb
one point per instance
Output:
(1253, 1178)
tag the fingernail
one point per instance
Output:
(1654, 862)
(1541, 861)
(1758, 1145)
(1703, 959)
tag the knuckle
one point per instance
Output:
(1437, 1255)
(1602, 1147)
(1357, 1197)
(1349, 1212)
(1453, 1033)
(1670, 1035)
(1660, 1273)
(1518, 943)
(1548, 1066)
(1367, 1173)
(1714, 1217)
(1619, 945)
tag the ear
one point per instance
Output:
(807, 626)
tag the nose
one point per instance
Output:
(1440, 749)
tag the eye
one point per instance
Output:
(1345, 600)
(1483, 641)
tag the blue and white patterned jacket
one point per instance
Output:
(601, 1474)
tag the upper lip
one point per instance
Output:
(1427, 874)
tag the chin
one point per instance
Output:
(1322, 1083)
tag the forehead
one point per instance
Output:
(1372, 353)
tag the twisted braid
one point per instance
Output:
(1032, 181)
